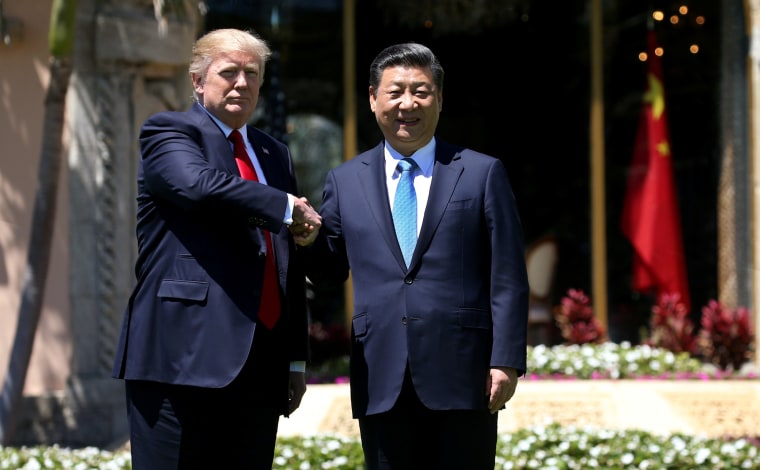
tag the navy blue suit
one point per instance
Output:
(461, 306)
(192, 317)
(459, 309)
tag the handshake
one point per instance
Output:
(306, 222)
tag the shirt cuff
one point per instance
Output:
(298, 366)
(289, 210)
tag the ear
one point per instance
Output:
(372, 99)
(197, 83)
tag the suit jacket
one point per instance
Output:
(192, 315)
(462, 305)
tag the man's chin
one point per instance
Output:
(238, 109)
(402, 136)
(406, 138)
(238, 114)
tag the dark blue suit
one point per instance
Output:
(462, 305)
(192, 317)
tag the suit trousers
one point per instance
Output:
(184, 427)
(410, 436)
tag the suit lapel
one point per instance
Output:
(216, 141)
(446, 172)
(269, 159)
(371, 178)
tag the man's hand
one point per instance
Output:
(303, 234)
(296, 389)
(306, 222)
(500, 386)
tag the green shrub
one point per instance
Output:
(546, 447)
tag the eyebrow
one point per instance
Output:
(414, 86)
(229, 65)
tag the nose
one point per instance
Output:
(240, 80)
(407, 101)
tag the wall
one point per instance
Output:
(23, 84)
(124, 68)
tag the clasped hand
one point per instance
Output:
(306, 222)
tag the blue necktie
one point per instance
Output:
(405, 209)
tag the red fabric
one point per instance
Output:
(269, 308)
(650, 216)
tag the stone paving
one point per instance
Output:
(709, 408)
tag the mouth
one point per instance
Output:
(407, 122)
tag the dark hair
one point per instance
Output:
(409, 54)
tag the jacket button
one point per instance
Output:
(408, 281)
(403, 320)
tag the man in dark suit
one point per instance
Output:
(214, 339)
(439, 338)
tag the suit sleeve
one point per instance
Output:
(509, 279)
(327, 259)
(182, 165)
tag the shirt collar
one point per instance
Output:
(424, 157)
(225, 128)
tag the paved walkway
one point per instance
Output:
(324, 408)
(711, 408)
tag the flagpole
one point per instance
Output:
(350, 144)
(752, 10)
(598, 235)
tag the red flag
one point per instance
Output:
(650, 213)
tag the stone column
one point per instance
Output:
(733, 187)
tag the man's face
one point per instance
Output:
(230, 89)
(406, 106)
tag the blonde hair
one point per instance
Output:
(220, 41)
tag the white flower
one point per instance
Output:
(701, 456)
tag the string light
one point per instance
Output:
(674, 19)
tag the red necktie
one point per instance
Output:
(269, 309)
